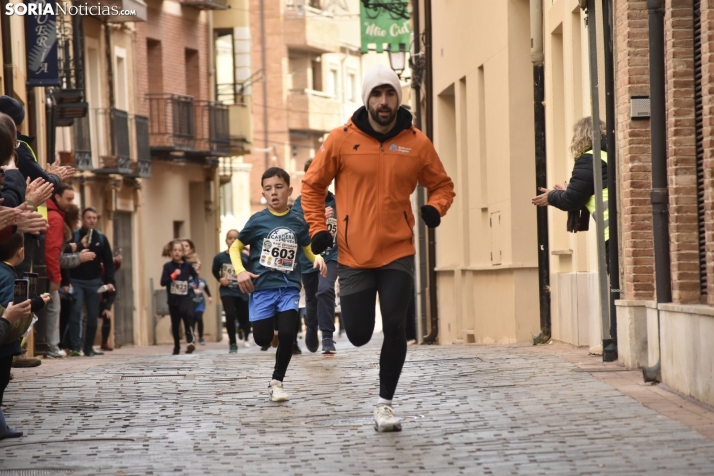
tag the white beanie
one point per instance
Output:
(380, 75)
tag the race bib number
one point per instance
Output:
(230, 274)
(278, 255)
(332, 226)
(179, 288)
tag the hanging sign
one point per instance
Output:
(385, 24)
(41, 46)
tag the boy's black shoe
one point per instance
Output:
(311, 341)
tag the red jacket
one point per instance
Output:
(54, 241)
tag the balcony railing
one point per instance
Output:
(142, 165)
(110, 141)
(82, 143)
(212, 130)
(171, 122)
(114, 143)
(205, 4)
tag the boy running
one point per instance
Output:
(177, 276)
(274, 236)
(235, 302)
(320, 291)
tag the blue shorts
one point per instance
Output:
(267, 303)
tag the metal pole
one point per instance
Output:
(659, 195)
(597, 172)
(613, 249)
(420, 272)
(430, 234)
(538, 59)
(265, 83)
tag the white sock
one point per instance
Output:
(384, 401)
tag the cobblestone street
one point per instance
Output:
(466, 410)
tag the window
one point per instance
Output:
(193, 87)
(332, 83)
(350, 87)
(154, 59)
(316, 66)
(122, 101)
(225, 67)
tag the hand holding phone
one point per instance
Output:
(21, 290)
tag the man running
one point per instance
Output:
(319, 290)
(376, 159)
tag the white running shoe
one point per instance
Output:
(385, 420)
(277, 394)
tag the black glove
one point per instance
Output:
(431, 216)
(321, 241)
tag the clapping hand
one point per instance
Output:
(62, 172)
(8, 216)
(30, 221)
(38, 191)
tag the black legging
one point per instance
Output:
(198, 322)
(236, 308)
(178, 313)
(395, 289)
(5, 368)
(106, 329)
(263, 332)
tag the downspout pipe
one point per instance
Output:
(538, 60)
(7, 53)
(614, 262)
(431, 233)
(603, 291)
(659, 195)
(421, 194)
(264, 65)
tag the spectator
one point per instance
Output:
(86, 279)
(12, 253)
(54, 244)
(71, 223)
(26, 159)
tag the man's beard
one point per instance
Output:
(382, 122)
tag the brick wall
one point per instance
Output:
(189, 30)
(276, 62)
(681, 151)
(633, 139)
(708, 124)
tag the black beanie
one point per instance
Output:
(12, 108)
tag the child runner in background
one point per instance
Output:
(301, 318)
(200, 291)
(176, 276)
(189, 252)
(235, 302)
(274, 236)
(320, 291)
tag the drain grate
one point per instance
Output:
(375, 365)
(35, 472)
(355, 421)
(152, 378)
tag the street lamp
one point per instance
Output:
(398, 59)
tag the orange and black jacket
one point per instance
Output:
(374, 175)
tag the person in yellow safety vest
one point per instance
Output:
(577, 196)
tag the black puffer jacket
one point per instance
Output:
(581, 185)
